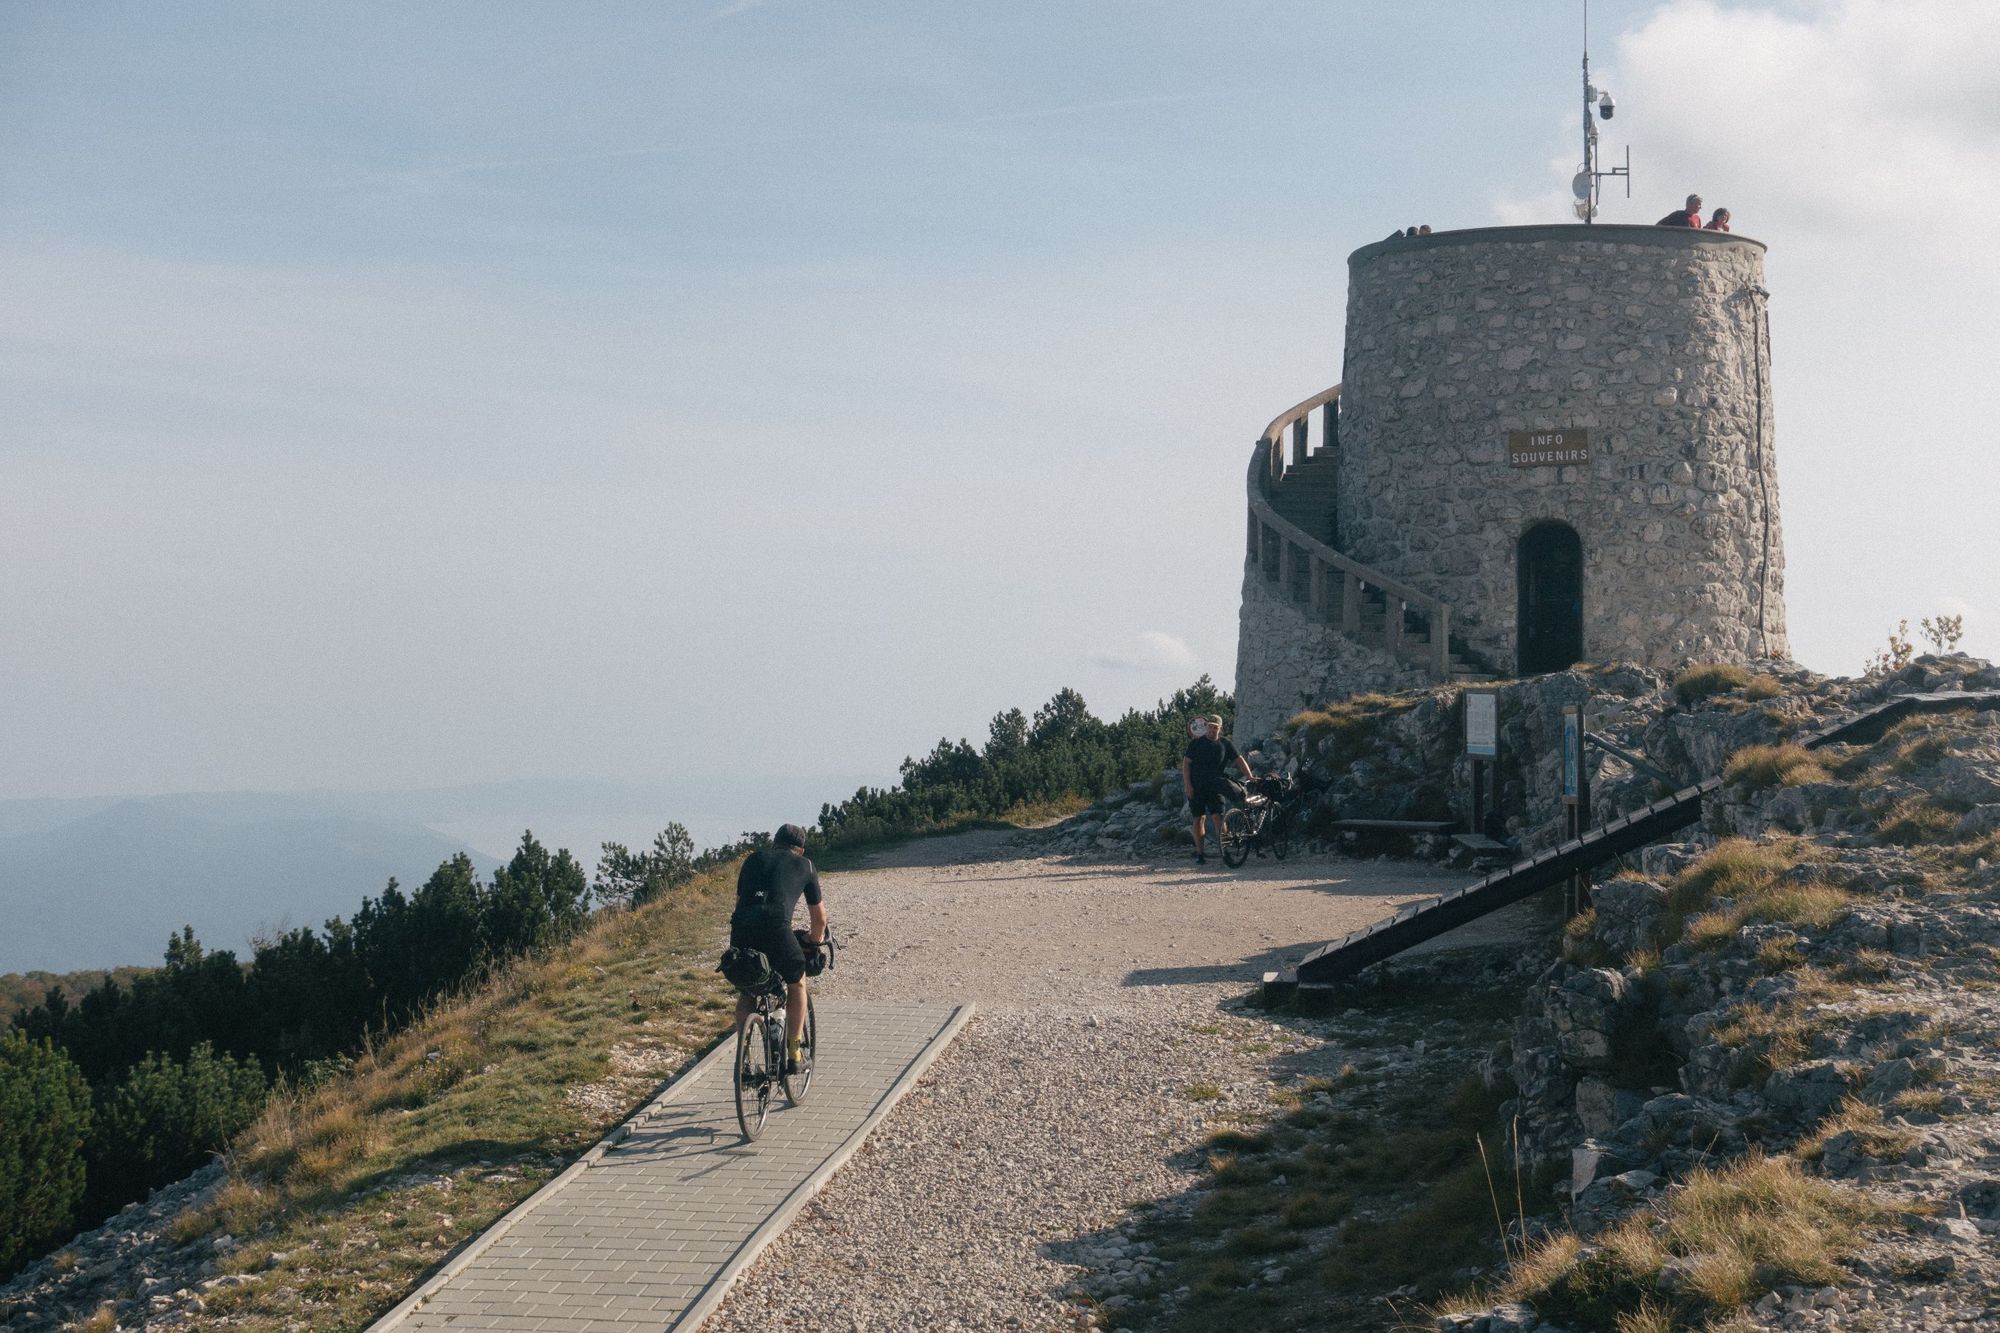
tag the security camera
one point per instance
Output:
(1605, 106)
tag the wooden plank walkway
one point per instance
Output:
(648, 1229)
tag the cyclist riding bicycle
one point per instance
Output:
(768, 889)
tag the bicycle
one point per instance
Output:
(1265, 821)
(759, 1068)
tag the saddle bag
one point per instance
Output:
(746, 969)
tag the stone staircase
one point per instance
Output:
(1294, 537)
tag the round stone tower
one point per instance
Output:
(1554, 443)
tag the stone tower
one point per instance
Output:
(1549, 445)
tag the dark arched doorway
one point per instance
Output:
(1550, 578)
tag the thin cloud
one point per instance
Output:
(447, 170)
(1081, 108)
(1151, 650)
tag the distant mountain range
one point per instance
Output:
(103, 881)
(111, 884)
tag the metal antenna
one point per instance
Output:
(1588, 183)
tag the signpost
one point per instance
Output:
(1482, 747)
(1576, 801)
(1548, 448)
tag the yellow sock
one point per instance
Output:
(792, 1049)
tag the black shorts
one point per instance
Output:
(776, 943)
(1205, 800)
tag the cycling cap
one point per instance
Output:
(790, 835)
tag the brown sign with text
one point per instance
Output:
(1548, 448)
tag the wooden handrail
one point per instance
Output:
(1267, 465)
(1291, 414)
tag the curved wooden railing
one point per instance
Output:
(1306, 566)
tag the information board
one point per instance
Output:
(1482, 724)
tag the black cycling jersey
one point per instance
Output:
(1208, 759)
(769, 887)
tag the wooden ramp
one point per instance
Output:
(1331, 964)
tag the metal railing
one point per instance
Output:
(1307, 568)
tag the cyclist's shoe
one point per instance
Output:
(791, 1064)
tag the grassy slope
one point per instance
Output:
(344, 1196)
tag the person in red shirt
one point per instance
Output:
(1720, 222)
(1687, 217)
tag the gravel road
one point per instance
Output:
(1109, 1036)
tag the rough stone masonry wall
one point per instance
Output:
(1286, 661)
(1649, 338)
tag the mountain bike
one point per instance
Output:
(760, 1045)
(1265, 821)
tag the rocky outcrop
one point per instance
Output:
(1401, 756)
(1815, 975)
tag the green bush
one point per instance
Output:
(168, 1117)
(45, 1119)
(1061, 752)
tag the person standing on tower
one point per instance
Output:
(1686, 217)
(1720, 222)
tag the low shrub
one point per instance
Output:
(1705, 679)
(1761, 766)
(1730, 1232)
(1742, 881)
(45, 1118)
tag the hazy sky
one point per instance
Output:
(422, 394)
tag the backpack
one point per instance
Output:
(746, 969)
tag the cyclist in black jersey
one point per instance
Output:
(1205, 777)
(768, 889)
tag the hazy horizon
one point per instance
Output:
(410, 398)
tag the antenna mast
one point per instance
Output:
(1588, 183)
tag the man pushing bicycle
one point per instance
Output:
(768, 889)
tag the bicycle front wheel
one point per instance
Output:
(797, 1085)
(753, 1075)
(1237, 828)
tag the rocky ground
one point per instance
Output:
(1812, 978)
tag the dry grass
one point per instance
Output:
(1707, 679)
(1761, 766)
(1864, 1121)
(1867, 965)
(1731, 1232)
(1742, 881)
(1780, 953)
(1916, 820)
(1766, 1040)
(365, 1181)
(1920, 1100)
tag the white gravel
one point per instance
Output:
(1064, 1102)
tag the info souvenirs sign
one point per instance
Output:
(1548, 448)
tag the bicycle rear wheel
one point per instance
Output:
(1278, 833)
(1237, 827)
(797, 1085)
(753, 1075)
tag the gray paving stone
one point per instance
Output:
(667, 1212)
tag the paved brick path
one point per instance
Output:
(649, 1229)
